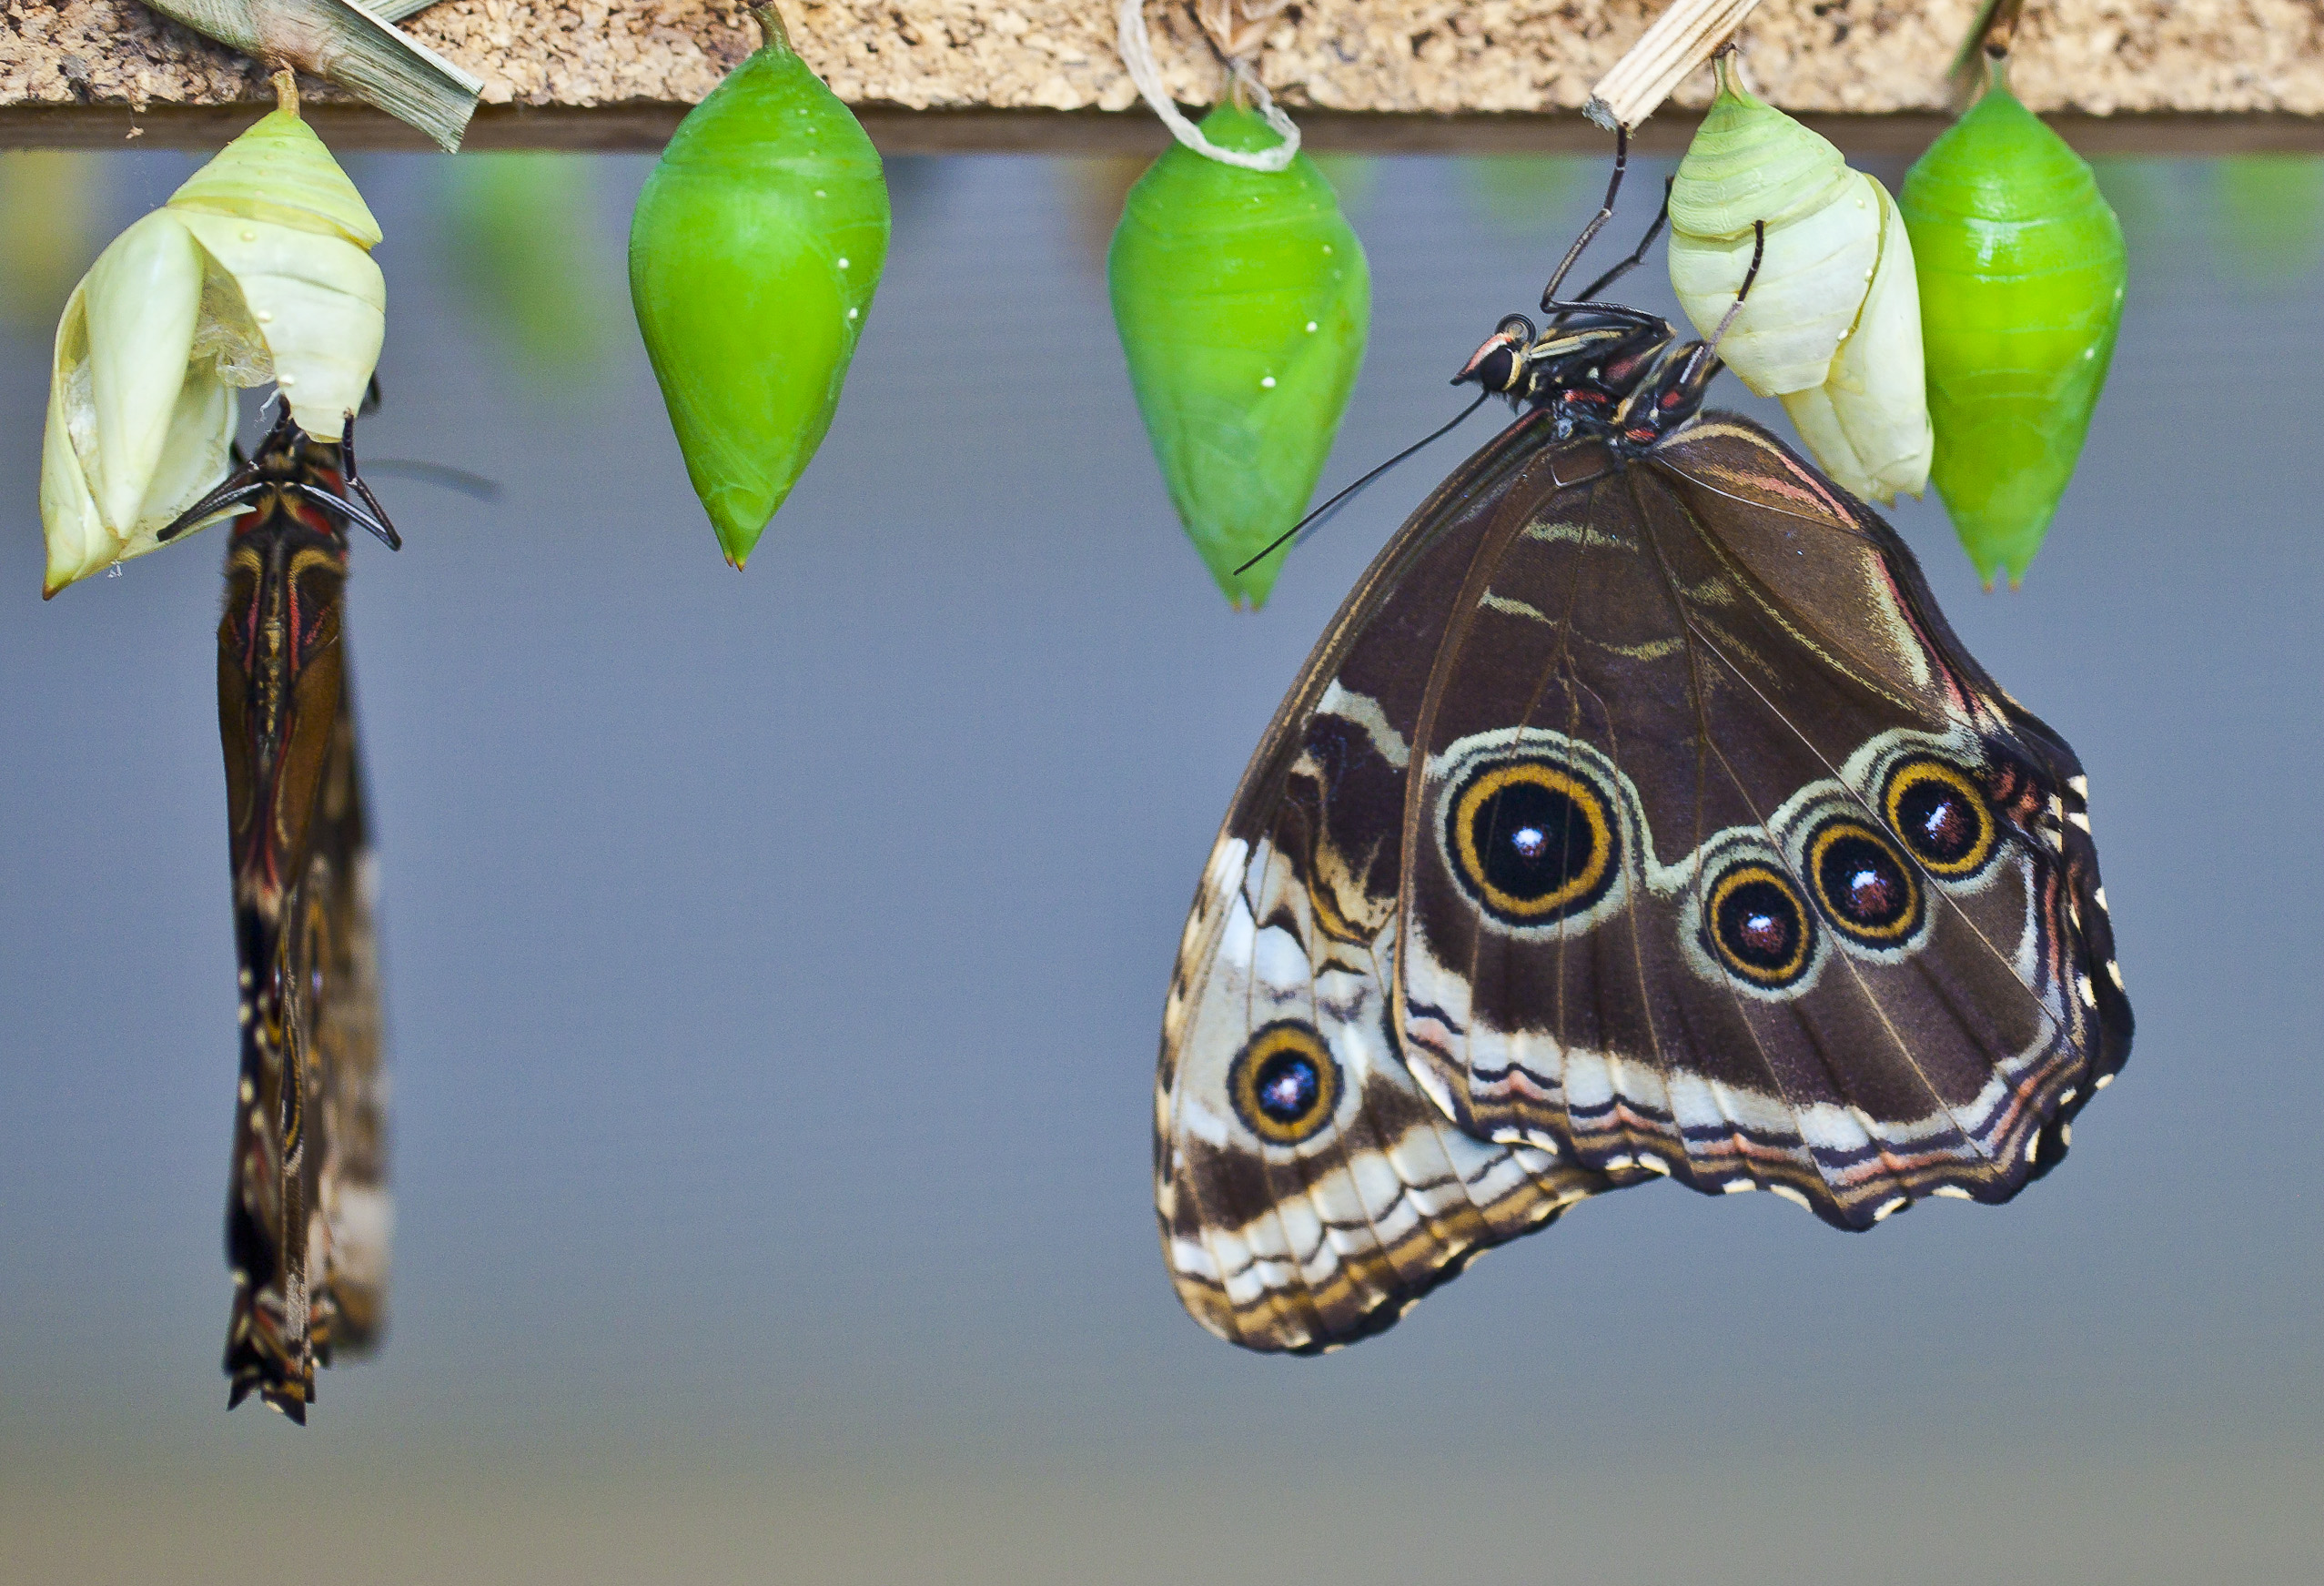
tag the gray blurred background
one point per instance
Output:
(774, 963)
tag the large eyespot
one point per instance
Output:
(1531, 841)
(1865, 887)
(1941, 814)
(1285, 1082)
(1758, 925)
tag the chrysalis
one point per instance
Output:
(757, 245)
(2021, 274)
(259, 268)
(1832, 325)
(1243, 300)
(2271, 217)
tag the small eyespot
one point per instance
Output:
(1758, 925)
(1941, 814)
(1284, 1083)
(1531, 841)
(1864, 887)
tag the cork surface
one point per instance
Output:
(1861, 56)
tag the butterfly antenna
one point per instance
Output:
(1661, 218)
(1315, 519)
(1597, 222)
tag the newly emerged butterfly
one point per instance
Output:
(1638, 816)
(307, 1211)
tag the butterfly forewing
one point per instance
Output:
(1673, 902)
(1307, 1191)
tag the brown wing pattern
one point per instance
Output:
(1307, 1191)
(1724, 861)
(306, 1220)
(358, 1215)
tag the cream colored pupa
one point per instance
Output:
(1832, 324)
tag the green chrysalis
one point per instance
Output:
(2271, 216)
(2021, 274)
(754, 255)
(1243, 300)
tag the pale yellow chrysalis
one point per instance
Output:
(1832, 324)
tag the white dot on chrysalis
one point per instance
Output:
(1310, 328)
(1327, 247)
(843, 263)
(1268, 384)
(819, 192)
(851, 313)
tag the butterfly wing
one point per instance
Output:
(347, 1023)
(305, 1210)
(1307, 1191)
(1723, 860)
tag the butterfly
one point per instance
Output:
(308, 1212)
(1638, 816)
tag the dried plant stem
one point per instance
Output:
(349, 44)
(1679, 41)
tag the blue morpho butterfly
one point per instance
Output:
(1638, 816)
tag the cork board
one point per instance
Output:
(560, 66)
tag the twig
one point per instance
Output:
(1681, 40)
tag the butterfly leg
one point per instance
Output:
(376, 521)
(1758, 254)
(1597, 222)
(1662, 218)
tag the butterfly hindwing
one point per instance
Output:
(1307, 1191)
(348, 1031)
(1722, 858)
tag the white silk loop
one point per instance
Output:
(1138, 55)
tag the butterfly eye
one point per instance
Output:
(1759, 926)
(1863, 885)
(1285, 1082)
(1942, 815)
(1533, 841)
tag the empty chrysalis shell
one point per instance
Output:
(754, 254)
(259, 268)
(1832, 325)
(2021, 275)
(1243, 300)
